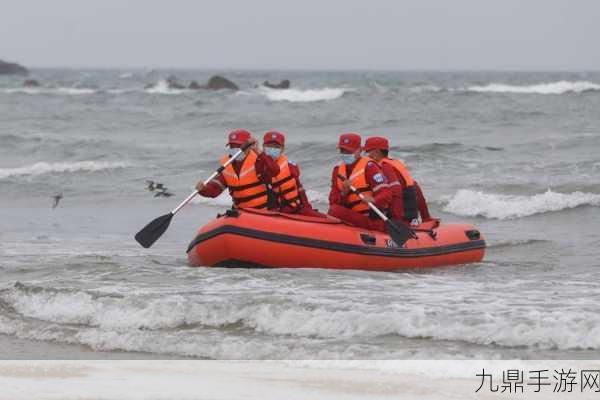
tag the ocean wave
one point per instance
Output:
(559, 87)
(119, 322)
(162, 87)
(426, 88)
(304, 95)
(42, 167)
(472, 203)
(67, 91)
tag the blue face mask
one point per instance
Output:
(273, 152)
(347, 158)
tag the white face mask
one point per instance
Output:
(233, 151)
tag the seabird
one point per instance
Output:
(57, 198)
(163, 193)
(150, 186)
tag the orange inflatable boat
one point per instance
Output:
(255, 238)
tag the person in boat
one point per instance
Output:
(367, 177)
(290, 196)
(408, 202)
(247, 178)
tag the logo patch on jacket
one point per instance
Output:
(378, 178)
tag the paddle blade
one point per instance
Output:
(151, 232)
(399, 233)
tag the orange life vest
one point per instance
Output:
(409, 192)
(284, 184)
(246, 189)
(358, 179)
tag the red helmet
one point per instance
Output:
(349, 141)
(239, 137)
(274, 137)
(377, 143)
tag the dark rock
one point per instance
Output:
(31, 83)
(218, 82)
(194, 85)
(7, 68)
(284, 84)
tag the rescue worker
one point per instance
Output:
(289, 194)
(407, 198)
(247, 177)
(367, 177)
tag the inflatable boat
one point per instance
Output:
(256, 238)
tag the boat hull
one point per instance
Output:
(250, 238)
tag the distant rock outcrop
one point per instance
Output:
(214, 83)
(218, 82)
(194, 85)
(284, 84)
(31, 83)
(7, 68)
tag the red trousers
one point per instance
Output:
(356, 219)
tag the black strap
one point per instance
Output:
(282, 181)
(244, 187)
(239, 200)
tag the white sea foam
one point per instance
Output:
(126, 75)
(68, 91)
(475, 203)
(426, 88)
(559, 87)
(304, 95)
(162, 87)
(46, 168)
(128, 323)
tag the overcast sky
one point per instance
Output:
(303, 34)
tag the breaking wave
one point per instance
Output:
(472, 203)
(46, 168)
(559, 87)
(195, 326)
(162, 87)
(303, 96)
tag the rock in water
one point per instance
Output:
(218, 82)
(284, 84)
(7, 68)
(31, 83)
(195, 86)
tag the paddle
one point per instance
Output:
(154, 230)
(399, 234)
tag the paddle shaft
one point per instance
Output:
(362, 197)
(210, 178)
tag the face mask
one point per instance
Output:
(233, 151)
(273, 152)
(347, 158)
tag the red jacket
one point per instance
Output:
(266, 169)
(383, 196)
